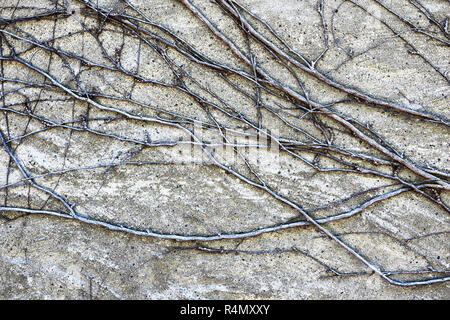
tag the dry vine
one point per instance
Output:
(30, 81)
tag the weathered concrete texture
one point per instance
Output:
(177, 190)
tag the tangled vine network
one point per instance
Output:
(79, 75)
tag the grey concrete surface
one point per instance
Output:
(182, 192)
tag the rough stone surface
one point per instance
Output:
(184, 193)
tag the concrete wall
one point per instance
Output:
(130, 165)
